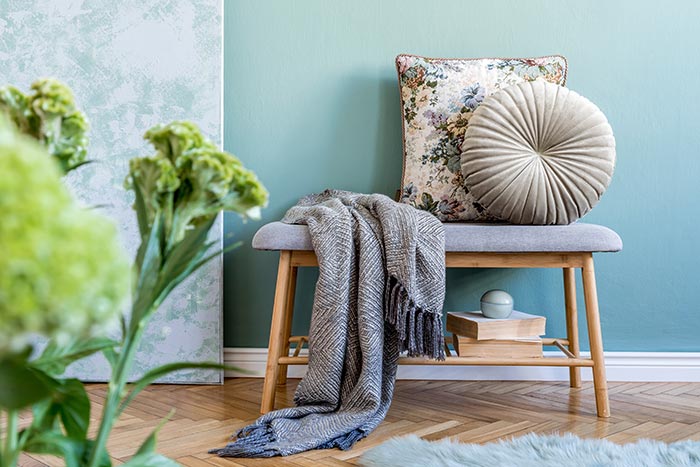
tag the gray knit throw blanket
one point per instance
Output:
(380, 291)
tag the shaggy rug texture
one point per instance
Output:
(532, 450)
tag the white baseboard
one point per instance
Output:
(621, 366)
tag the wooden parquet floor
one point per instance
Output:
(476, 412)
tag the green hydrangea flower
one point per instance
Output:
(190, 180)
(63, 273)
(49, 115)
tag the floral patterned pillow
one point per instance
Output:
(438, 97)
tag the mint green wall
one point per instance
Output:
(311, 102)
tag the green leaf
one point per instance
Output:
(183, 253)
(73, 407)
(20, 385)
(206, 259)
(44, 416)
(70, 403)
(104, 459)
(163, 370)
(111, 355)
(171, 278)
(75, 452)
(179, 263)
(140, 208)
(149, 272)
(80, 164)
(152, 256)
(57, 444)
(175, 271)
(149, 444)
(122, 325)
(55, 359)
(151, 460)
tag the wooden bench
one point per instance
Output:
(568, 247)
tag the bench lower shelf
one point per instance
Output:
(544, 361)
(569, 361)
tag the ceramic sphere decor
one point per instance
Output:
(538, 153)
(496, 304)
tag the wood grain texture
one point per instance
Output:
(595, 336)
(289, 314)
(278, 340)
(572, 323)
(468, 411)
(457, 361)
(455, 259)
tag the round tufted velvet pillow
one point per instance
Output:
(538, 153)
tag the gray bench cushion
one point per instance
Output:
(473, 238)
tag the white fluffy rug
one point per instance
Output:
(532, 450)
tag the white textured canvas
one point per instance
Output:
(131, 64)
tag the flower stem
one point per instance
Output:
(140, 316)
(2, 452)
(115, 392)
(11, 439)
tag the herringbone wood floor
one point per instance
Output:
(476, 412)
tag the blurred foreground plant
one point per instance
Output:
(178, 193)
(48, 114)
(63, 275)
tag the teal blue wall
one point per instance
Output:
(311, 102)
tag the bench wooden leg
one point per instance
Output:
(595, 337)
(277, 331)
(289, 314)
(572, 323)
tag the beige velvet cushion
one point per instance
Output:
(538, 153)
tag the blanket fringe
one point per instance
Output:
(252, 441)
(419, 331)
(344, 442)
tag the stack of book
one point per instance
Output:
(517, 336)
